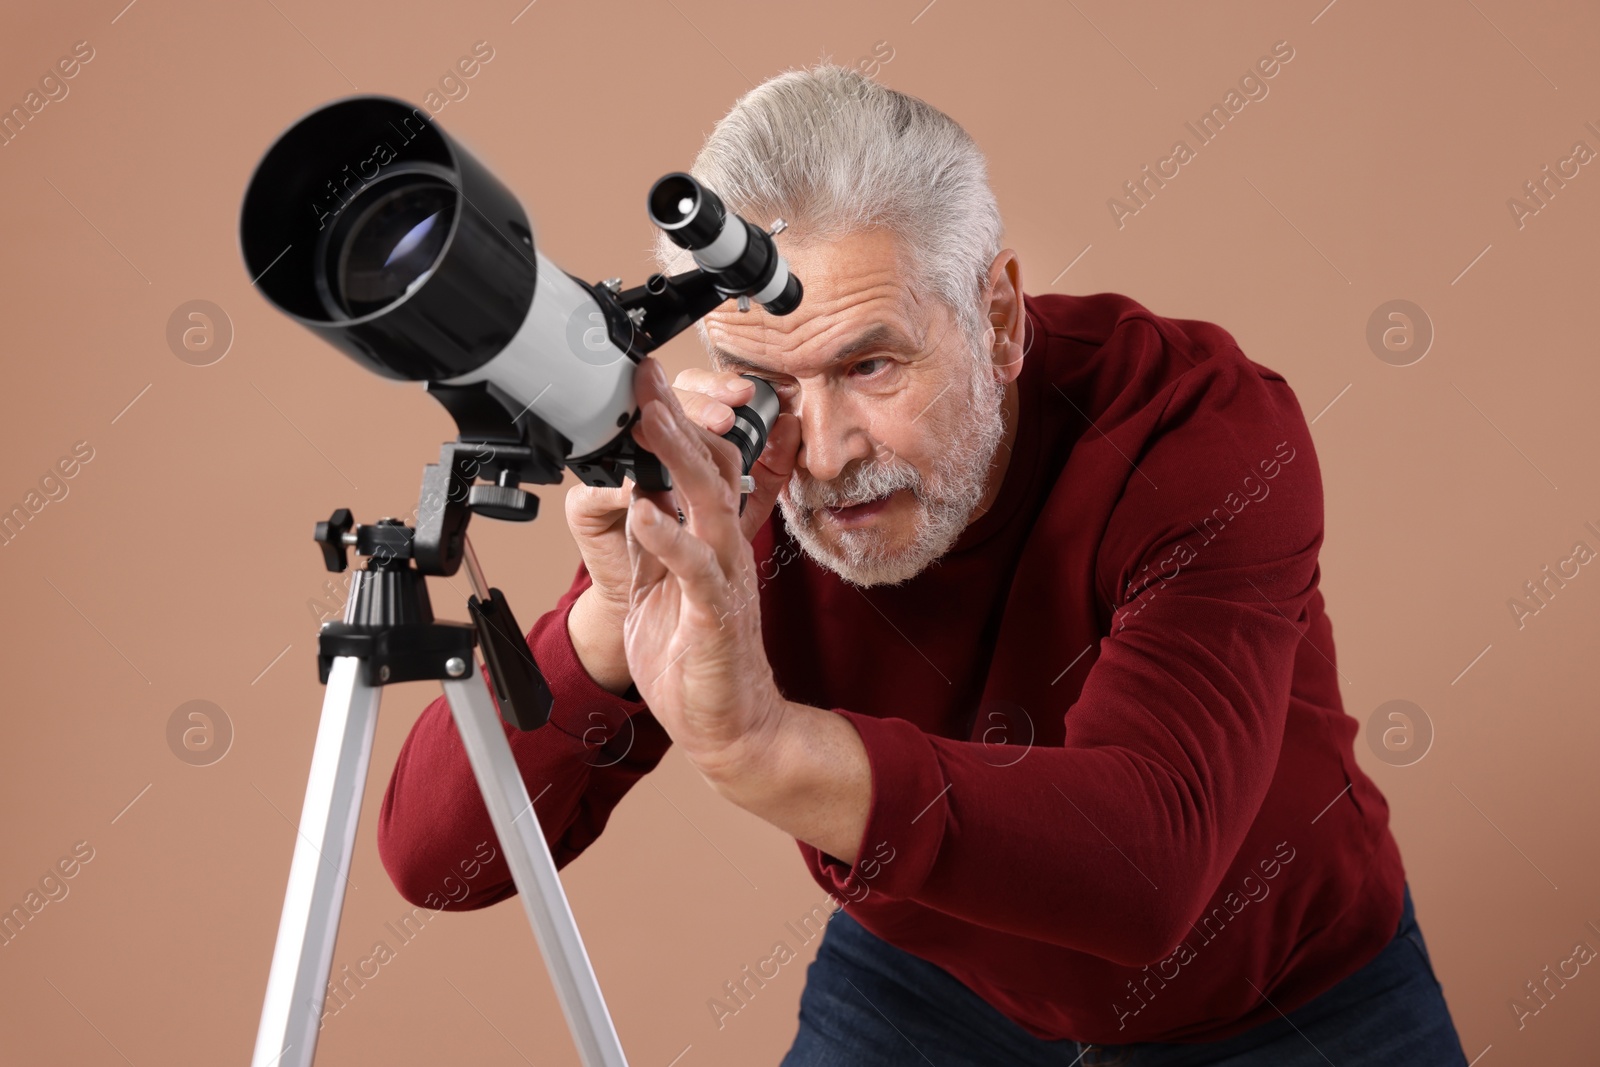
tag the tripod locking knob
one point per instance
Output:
(332, 536)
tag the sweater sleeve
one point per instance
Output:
(434, 834)
(1112, 843)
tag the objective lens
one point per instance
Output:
(392, 241)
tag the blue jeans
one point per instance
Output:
(869, 1004)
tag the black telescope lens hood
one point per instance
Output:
(466, 307)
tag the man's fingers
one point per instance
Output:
(708, 411)
(604, 498)
(709, 397)
(648, 569)
(704, 468)
(689, 559)
(722, 384)
(592, 510)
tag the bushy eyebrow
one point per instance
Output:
(878, 336)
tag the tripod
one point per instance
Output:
(389, 635)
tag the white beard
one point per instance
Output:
(973, 427)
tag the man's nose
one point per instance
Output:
(830, 438)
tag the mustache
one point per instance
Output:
(869, 481)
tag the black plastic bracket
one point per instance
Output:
(390, 627)
(407, 652)
(671, 304)
(519, 686)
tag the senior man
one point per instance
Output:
(1030, 659)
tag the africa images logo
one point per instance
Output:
(1212, 923)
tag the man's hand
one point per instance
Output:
(693, 629)
(596, 516)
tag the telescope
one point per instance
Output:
(370, 226)
(377, 231)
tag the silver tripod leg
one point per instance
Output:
(534, 871)
(303, 956)
(298, 981)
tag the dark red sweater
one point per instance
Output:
(1113, 787)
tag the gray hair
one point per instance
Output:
(832, 152)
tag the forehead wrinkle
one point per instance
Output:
(828, 320)
(843, 273)
(881, 336)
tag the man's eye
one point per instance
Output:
(865, 373)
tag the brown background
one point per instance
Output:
(180, 565)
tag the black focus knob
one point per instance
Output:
(503, 502)
(649, 474)
(330, 535)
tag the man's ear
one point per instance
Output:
(1008, 321)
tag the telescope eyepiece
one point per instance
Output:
(691, 215)
(743, 258)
